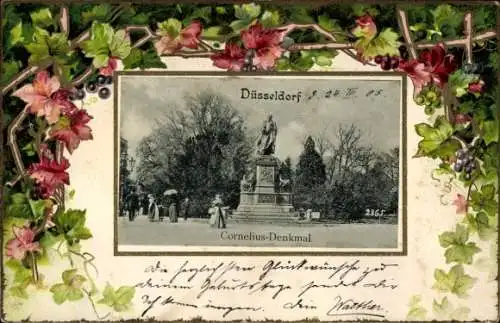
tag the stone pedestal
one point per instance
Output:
(266, 203)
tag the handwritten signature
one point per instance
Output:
(355, 307)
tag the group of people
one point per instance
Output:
(147, 205)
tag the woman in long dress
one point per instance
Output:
(172, 212)
(217, 217)
(152, 209)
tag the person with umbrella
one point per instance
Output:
(172, 209)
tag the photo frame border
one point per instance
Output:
(294, 252)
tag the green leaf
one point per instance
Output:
(97, 46)
(328, 24)
(9, 69)
(97, 13)
(416, 311)
(171, 27)
(58, 44)
(455, 281)
(124, 295)
(436, 142)
(120, 45)
(143, 60)
(72, 225)
(442, 309)
(19, 291)
(22, 206)
(49, 239)
(299, 14)
(490, 131)
(238, 25)
(485, 200)
(16, 34)
(458, 249)
(271, 18)
(42, 18)
(39, 49)
(59, 293)
(480, 223)
(386, 43)
(81, 233)
(247, 12)
(108, 296)
(211, 32)
(23, 276)
(447, 15)
(459, 82)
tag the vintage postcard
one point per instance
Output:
(248, 161)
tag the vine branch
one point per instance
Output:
(403, 26)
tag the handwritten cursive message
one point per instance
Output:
(233, 289)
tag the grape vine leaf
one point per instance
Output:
(21, 206)
(16, 34)
(48, 46)
(97, 47)
(97, 13)
(385, 43)
(271, 18)
(490, 131)
(245, 14)
(458, 250)
(200, 13)
(455, 281)
(481, 224)
(9, 69)
(416, 311)
(445, 310)
(42, 18)
(485, 200)
(459, 82)
(170, 27)
(120, 45)
(143, 59)
(211, 32)
(70, 289)
(120, 299)
(72, 224)
(22, 278)
(446, 16)
(437, 141)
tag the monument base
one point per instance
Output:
(264, 203)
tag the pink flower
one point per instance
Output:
(365, 27)
(460, 203)
(72, 128)
(108, 69)
(232, 59)
(188, 37)
(49, 174)
(417, 72)
(439, 64)
(265, 42)
(61, 97)
(476, 87)
(431, 66)
(22, 243)
(38, 96)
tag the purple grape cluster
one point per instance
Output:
(387, 62)
(465, 162)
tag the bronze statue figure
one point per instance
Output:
(267, 141)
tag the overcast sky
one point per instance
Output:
(143, 99)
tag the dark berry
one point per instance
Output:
(91, 87)
(101, 80)
(72, 95)
(395, 63)
(468, 168)
(378, 59)
(79, 94)
(109, 79)
(386, 66)
(458, 167)
(79, 86)
(104, 93)
(467, 176)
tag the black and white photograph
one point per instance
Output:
(260, 162)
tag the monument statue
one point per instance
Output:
(267, 141)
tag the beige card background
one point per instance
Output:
(92, 177)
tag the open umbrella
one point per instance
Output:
(170, 192)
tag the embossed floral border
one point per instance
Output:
(44, 87)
